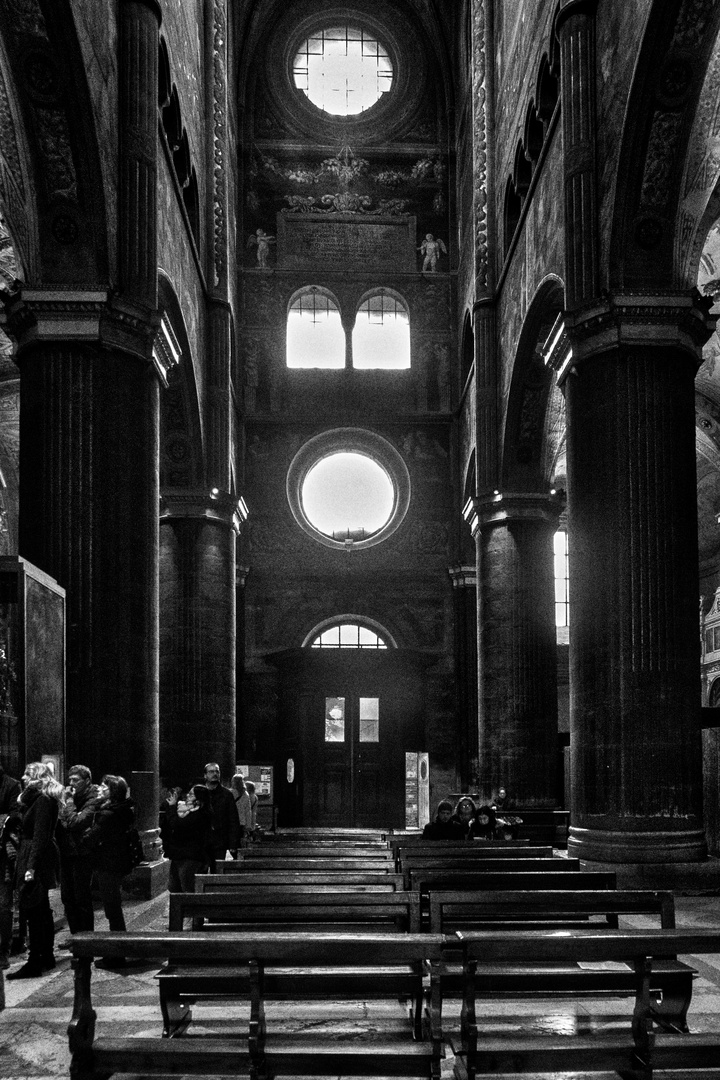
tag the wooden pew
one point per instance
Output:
(407, 863)
(321, 863)
(638, 1051)
(489, 849)
(514, 911)
(426, 881)
(274, 910)
(414, 839)
(318, 966)
(332, 881)
(322, 850)
(302, 833)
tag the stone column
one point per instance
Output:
(197, 647)
(517, 661)
(89, 430)
(464, 580)
(632, 516)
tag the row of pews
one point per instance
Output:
(362, 916)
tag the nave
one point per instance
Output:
(33, 1026)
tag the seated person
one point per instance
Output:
(465, 814)
(443, 827)
(484, 825)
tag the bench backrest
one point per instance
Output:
(493, 946)
(400, 908)
(305, 882)
(308, 833)
(272, 947)
(452, 910)
(317, 851)
(313, 863)
(481, 850)
(428, 880)
(399, 839)
(474, 861)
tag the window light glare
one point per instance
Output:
(347, 494)
(342, 70)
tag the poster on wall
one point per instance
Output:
(417, 790)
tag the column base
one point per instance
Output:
(611, 846)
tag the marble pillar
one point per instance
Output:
(517, 662)
(198, 635)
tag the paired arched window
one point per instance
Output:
(316, 337)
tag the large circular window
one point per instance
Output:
(348, 488)
(343, 70)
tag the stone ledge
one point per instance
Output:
(148, 880)
(693, 878)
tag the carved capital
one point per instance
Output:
(55, 314)
(463, 577)
(489, 511)
(166, 349)
(681, 320)
(131, 330)
(197, 505)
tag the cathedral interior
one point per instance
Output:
(355, 421)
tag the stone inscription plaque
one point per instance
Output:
(346, 242)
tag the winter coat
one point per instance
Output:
(10, 789)
(38, 849)
(225, 823)
(106, 839)
(244, 811)
(443, 830)
(76, 817)
(188, 837)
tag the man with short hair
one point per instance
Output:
(81, 800)
(225, 823)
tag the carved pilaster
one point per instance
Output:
(576, 31)
(486, 397)
(218, 103)
(481, 76)
(138, 73)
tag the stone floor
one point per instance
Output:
(33, 1039)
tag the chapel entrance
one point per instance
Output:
(348, 719)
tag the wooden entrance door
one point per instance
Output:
(348, 717)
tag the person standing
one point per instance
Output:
(225, 823)
(107, 843)
(37, 865)
(10, 789)
(186, 832)
(76, 869)
(250, 788)
(244, 809)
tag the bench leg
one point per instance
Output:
(671, 1013)
(176, 1016)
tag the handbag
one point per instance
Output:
(31, 894)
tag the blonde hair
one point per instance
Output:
(40, 776)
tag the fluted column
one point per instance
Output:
(632, 519)
(198, 634)
(517, 662)
(88, 512)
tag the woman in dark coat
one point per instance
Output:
(187, 837)
(107, 842)
(465, 813)
(37, 866)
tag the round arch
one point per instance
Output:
(534, 403)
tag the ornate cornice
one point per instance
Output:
(489, 511)
(681, 320)
(214, 505)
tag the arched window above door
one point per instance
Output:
(349, 632)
